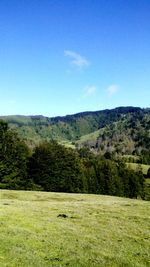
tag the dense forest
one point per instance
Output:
(50, 166)
(121, 131)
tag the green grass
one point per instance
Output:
(133, 157)
(67, 144)
(89, 137)
(134, 166)
(148, 181)
(97, 231)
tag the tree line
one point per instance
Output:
(53, 167)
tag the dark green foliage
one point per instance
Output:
(147, 189)
(129, 135)
(123, 124)
(108, 177)
(85, 152)
(14, 155)
(148, 173)
(13, 159)
(56, 168)
(53, 167)
(145, 156)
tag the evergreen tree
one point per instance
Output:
(56, 168)
(13, 159)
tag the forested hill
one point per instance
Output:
(113, 135)
(108, 128)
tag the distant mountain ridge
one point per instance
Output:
(76, 115)
(112, 126)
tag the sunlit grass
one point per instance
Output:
(95, 231)
(135, 166)
(92, 137)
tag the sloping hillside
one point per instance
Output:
(129, 135)
(33, 129)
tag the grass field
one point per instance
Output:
(135, 166)
(43, 229)
(89, 137)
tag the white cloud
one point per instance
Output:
(76, 59)
(112, 89)
(89, 90)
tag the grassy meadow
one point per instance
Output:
(44, 229)
(89, 137)
(135, 166)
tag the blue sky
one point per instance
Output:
(61, 57)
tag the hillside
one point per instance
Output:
(53, 229)
(124, 129)
(129, 135)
